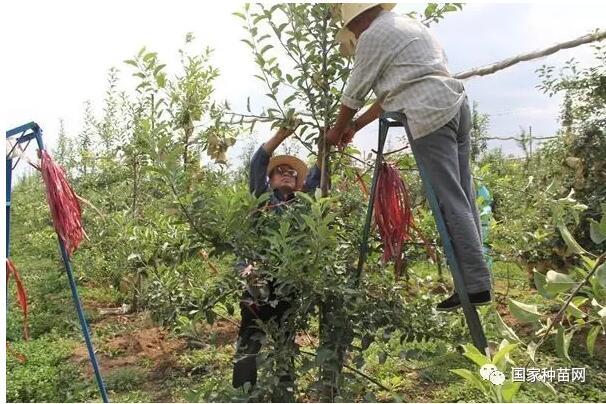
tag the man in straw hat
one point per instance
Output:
(281, 176)
(403, 63)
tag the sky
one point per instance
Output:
(58, 57)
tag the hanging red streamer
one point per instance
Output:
(63, 203)
(393, 215)
(21, 295)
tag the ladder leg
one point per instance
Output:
(9, 177)
(78, 304)
(383, 128)
(83, 323)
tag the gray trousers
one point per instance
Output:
(444, 155)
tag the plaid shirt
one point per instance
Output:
(403, 63)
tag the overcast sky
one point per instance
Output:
(57, 54)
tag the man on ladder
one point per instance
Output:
(402, 62)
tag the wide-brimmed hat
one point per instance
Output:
(297, 164)
(349, 11)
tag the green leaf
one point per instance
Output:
(504, 330)
(558, 282)
(210, 316)
(595, 232)
(544, 387)
(131, 62)
(450, 7)
(161, 80)
(290, 99)
(509, 390)
(430, 9)
(570, 241)
(158, 68)
(563, 342)
(472, 353)
(574, 311)
(382, 357)
(247, 42)
(592, 335)
(266, 48)
(470, 377)
(540, 281)
(499, 357)
(238, 14)
(600, 274)
(524, 312)
(531, 350)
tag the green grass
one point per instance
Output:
(125, 379)
(46, 375)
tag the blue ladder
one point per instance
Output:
(27, 133)
(390, 120)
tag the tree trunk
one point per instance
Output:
(189, 130)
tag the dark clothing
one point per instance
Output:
(251, 337)
(254, 304)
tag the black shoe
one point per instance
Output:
(476, 299)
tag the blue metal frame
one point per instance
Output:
(27, 133)
(389, 120)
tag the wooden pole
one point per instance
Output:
(598, 35)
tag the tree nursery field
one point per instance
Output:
(168, 220)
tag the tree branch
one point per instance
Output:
(495, 67)
(557, 319)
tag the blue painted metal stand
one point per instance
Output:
(389, 120)
(27, 133)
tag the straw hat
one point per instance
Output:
(349, 11)
(297, 164)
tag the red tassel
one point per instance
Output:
(361, 182)
(392, 213)
(21, 295)
(64, 205)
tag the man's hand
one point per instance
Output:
(348, 135)
(340, 138)
(281, 134)
(290, 128)
(333, 136)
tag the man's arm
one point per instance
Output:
(343, 124)
(276, 140)
(370, 62)
(257, 183)
(370, 115)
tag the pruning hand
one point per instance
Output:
(340, 137)
(333, 136)
(347, 136)
(290, 127)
